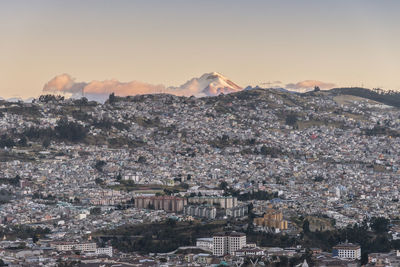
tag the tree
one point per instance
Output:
(171, 222)
(119, 177)
(95, 211)
(223, 185)
(15, 181)
(306, 226)
(272, 151)
(23, 141)
(99, 165)
(318, 178)
(35, 238)
(70, 131)
(6, 141)
(98, 181)
(46, 143)
(250, 207)
(291, 119)
(317, 89)
(141, 159)
(283, 261)
(380, 224)
(111, 98)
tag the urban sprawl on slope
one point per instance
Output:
(77, 177)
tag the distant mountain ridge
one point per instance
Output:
(390, 98)
(209, 84)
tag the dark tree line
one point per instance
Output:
(65, 131)
(371, 235)
(6, 141)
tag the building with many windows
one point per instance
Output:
(167, 203)
(347, 251)
(228, 242)
(220, 202)
(70, 246)
(207, 212)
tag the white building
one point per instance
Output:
(246, 252)
(228, 242)
(222, 202)
(67, 246)
(105, 251)
(205, 243)
(347, 251)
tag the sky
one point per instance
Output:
(337, 42)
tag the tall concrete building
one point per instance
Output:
(201, 211)
(228, 242)
(221, 202)
(167, 203)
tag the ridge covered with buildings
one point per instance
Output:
(259, 163)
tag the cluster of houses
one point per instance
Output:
(325, 163)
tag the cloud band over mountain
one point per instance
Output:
(209, 84)
(309, 84)
(64, 83)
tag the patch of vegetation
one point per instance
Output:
(274, 152)
(50, 98)
(23, 110)
(11, 181)
(107, 124)
(291, 119)
(6, 141)
(5, 196)
(158, 237)
(64, 131)
(99, 165)
(381, 130)
(225, 141)
(23, 232)
(372, 240)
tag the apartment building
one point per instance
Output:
(220, 202)
(228, 242)
(167, 203)
(70, 246)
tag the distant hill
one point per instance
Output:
(390, 98)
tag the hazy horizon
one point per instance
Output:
(153, 43)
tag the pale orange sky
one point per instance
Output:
(348, 43)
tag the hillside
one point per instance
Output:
(389, 98)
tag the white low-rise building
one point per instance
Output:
(205, 243)
(347, 251)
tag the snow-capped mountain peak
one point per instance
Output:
(208, 84)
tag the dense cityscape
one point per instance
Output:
(260, 177)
